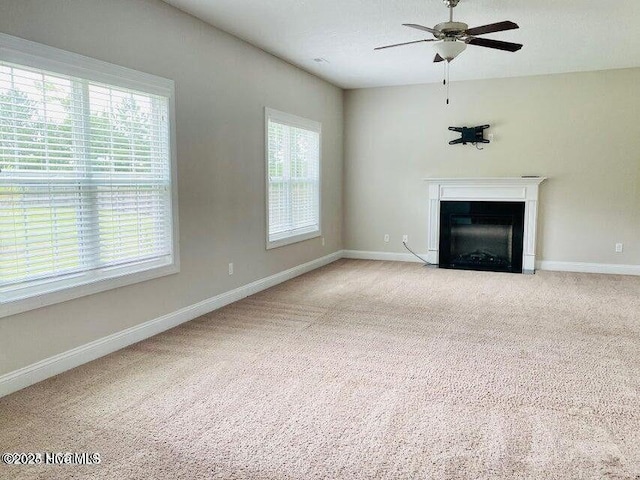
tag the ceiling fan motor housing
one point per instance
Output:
(451, 29)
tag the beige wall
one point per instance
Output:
(581, 130)
(222, 86)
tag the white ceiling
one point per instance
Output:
(558, 36)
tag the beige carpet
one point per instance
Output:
(362, 370)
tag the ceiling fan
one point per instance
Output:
(451, 38)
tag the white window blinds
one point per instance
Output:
(85, 181)
(293, 169)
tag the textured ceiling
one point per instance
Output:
(558, 36)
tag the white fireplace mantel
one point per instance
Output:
(496, 189)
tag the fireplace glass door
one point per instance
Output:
(482, 236)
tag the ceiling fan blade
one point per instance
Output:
(438, 58)
(497, 44)
(401, 44)
(494, 27)
(424, 29)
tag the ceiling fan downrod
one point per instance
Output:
(450, 5)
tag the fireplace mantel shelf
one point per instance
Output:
(489, 180)
(491, 189)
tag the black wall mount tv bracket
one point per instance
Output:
(473, 135)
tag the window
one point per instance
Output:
(293, 178)
(86, 176)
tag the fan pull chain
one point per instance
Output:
(448, 82)
(446, 78)
(444, 75)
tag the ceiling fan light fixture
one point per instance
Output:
(449, 49)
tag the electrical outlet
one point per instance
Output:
(231, 269)
(405, 238)
(386, 238)
(619, 247)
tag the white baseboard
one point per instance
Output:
(36, 372)
(386, 256)
(579, 267)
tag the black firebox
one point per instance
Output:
(482, 236)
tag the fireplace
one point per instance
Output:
(509, 243)
(482, 236)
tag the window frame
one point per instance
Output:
(288, 238)
(48, 292)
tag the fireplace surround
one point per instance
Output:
(485, 191)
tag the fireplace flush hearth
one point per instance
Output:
(483, 223)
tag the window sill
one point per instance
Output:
(300, 237)
(72, 288)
